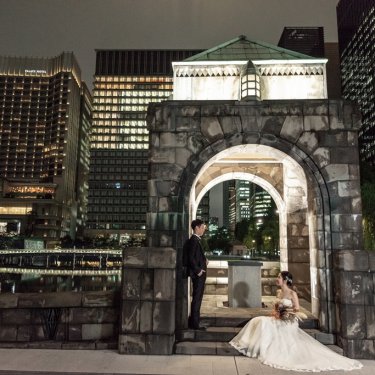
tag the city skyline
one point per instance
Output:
(44, 28)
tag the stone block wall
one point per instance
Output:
(354, 291)
(148, 301)
(317, 140)
(87, 320)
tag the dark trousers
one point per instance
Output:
(198, 290)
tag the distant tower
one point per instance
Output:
(230, 201)
(203, 211)
(45, 120)
(243, 189)
(260, 204)
(356, 23)
(307, 40)
(126, 81)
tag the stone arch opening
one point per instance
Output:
(305, 196)
(285, 180)
(280, 204)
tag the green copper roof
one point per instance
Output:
(241, 48)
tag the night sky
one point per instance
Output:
(45, 28)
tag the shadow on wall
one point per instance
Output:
(241, 294)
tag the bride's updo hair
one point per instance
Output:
(288, 277)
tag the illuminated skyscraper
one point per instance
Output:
(243, 193)
(125, 82)
(356, 31)
(260, 202)
(45, 119)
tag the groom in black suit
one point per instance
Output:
(196, 267)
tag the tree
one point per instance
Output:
(242, 229)
(253, 238)
(270, 231)
(261, 237)
(221, 240)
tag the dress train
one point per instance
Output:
(282, 344)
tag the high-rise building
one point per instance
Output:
(306, 40)
(260, 203)
(356, 25)
(245, 200)
(45, 119)
(83, 159)
(229, 205)
(310, 41)
(243, 190)
(126, 81)
(331, 52)
(203, 210)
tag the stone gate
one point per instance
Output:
(323, 238)
(302, 151)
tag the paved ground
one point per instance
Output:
(59, 362)
(108, 362)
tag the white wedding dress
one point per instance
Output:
(282, 344)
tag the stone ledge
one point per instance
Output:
(58, 299)
(150, 257)
(75, 345)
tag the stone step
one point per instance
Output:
(238, 321)
(205, 348)
(225, 334)
(216, 289)
(212, 334)
(215, 342)
(50, 344)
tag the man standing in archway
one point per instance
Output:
(196, 267)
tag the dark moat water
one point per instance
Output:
(12, 283)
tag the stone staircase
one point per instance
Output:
(223, 322)
(220, 330)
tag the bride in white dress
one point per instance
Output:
(277, 340)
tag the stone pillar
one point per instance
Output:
(148, 301)
(244, 284)
(355, 302)
(299, 252)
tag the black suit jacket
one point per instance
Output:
(196, 261)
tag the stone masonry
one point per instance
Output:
(64, 320)
(148, 301)
(323, 238)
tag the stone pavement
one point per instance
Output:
(78, 362)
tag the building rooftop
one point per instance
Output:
(241, 48)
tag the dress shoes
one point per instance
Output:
(201, 329)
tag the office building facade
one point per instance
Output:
(245, 200)
(45, 120)
(356, 26)
(126, 81)
(260, 203)
(306, 40)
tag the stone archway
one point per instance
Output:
(284, 180)
(319, 136)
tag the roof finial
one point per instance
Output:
(242, 37)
